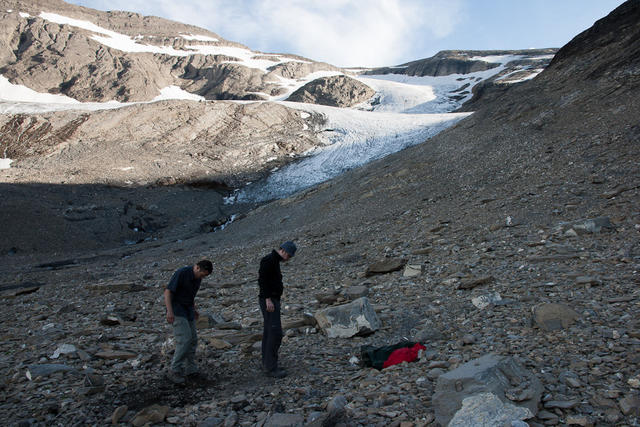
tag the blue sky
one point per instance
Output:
(378, 32)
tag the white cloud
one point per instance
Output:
(341, 32)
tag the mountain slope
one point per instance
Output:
(490, 203)
(100, 56)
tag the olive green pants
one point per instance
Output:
(186, 338)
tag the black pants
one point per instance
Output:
(271, 334)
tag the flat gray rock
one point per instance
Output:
(491, 373)
(347, 320)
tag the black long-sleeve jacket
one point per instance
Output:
(270, 277)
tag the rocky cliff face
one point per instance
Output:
(129, 57)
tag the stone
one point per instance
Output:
(34, 371)
(488, 374)
(486, 409)
(336, 407)
(472, 283)
(578, 420)
(110, 320)
(586, 226)
(483, 301)
(551, 316)
(344, 321)
(630, 405)
(150, 415)
(219, 344)
(412, 270)
(327, 298)
(207, 321)
(210, 422)
(229, 326)
(116, 354)
(427, 333)
(231, 420)
(562, 404)
(386, 266)
(64, 349)
(284, 420)
(355, 292)
(119, 412)
(588, 280)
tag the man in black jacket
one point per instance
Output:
(270, 281)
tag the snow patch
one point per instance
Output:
(192, 37)
(174, 92)
(24, 15)
(5, 163)
(125, 43)
(19, 93)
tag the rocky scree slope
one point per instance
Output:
(485, 202)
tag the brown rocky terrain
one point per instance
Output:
(137, 156)
(531, 201)
(66, 59)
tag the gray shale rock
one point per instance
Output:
(491, 373)
(551, 317)
(486, 409)
(347, 320)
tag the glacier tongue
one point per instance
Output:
(353, 139)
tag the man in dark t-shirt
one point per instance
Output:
(270, 282)
(179, 299)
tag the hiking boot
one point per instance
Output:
(277, 373)
(175, 377)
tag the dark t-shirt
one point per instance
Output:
(184, 287)
(270, 277)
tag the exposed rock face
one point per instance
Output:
(225, 142)
(336, 91)
(61, 58)
(449, 62)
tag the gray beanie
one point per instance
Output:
(289, 247)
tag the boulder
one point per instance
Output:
(44, 370)
(355, 292)
(385, 266)
(206, 321)
(502, 376)
(483, 301)
(486, 409)
(585, 226)
(551, 316)
(344, 321)
(150, 415)
(412, 270)
(284, 420)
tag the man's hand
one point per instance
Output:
(270, 307)
(170, 317)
